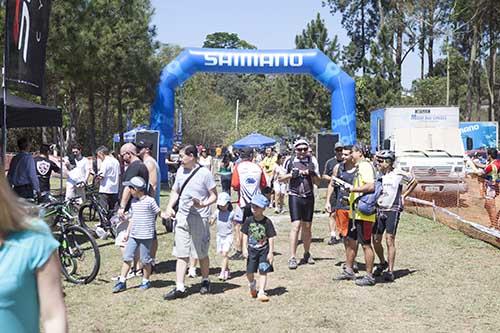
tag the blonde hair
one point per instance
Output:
(13, 216)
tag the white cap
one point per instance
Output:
(300, 142)
(223, 199)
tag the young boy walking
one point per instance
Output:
(140, 232)
(258, 246)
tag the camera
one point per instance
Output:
(295, 172)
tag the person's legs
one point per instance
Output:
(180, 272)
(205, 267)
(332, 226)
(391, 250)
(377, 246)
(369, 258)
(225, 261)
(306, 235)
(237, 237)
(262, 283)
(145, 256)
(294, 233)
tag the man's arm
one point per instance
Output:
(327, 173)
(153, 182)
(411, 186)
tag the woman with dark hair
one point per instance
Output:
(225, 173)
(30, 282)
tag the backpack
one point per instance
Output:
(366, 204)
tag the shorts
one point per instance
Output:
(144, 246)
(279, 187)
(362, 233)
(191, 237)
(301, 209)
(342, 221)
(255, 257)
(74, 191)
(224, 243)
(387, 220)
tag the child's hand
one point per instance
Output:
(125, 237)
(211, 221)
(270, 258)
(245, 254)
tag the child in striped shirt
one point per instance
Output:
(140, 232)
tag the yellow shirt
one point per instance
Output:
(268, 164)
(364, 175)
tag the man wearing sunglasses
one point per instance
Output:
(302, 174)
(390, 206)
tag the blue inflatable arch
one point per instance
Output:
(311, 61)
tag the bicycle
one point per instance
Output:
(92, 214)
(76, 244)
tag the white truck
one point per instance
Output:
(427, 143)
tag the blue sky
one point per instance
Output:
(270, 24)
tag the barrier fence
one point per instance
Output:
(475, 212)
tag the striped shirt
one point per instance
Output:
(143, 217)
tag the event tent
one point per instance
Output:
(23, 113)
(129, 136)
(254, 140)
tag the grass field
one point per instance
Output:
(445, 282)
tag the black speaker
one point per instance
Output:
(151, 136)
(387, 144)
(469, 143)
(325, 149)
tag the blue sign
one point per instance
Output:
(482, 133)
(311, 61)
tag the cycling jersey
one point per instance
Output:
(392, 186)
(247, 179)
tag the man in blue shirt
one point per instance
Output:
(22, 172)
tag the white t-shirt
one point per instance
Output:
(206, 162)
(224, 222)
(199, 187)
(391, 189)
(80, 172)
(109, 170)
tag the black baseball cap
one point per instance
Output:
(144, 144)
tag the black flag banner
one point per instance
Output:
(27, 23)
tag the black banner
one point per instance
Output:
(27, 27)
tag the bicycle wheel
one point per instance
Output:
(79, 254)
(89, 217)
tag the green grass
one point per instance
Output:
(447, 282)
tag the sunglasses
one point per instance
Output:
(301, 149)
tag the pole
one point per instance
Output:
(61, 156)
(447, 71)
(4, 118)
(237, 113)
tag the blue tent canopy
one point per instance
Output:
(129, 136)
(254, 140)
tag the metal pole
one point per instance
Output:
(447, 71)
(237, 113)
(4, 118)
(61, 156)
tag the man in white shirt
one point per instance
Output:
(108, 176)
(78, 173)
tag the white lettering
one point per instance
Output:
(25, 30)
(210, 60)
(257, 60)
(469, 128)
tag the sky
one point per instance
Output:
(271, 24)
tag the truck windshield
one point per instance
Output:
(414, 153)
(438, 152)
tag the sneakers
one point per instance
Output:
(345, 275)
(253, 292)
(192, 272)
(307, 259)
(205, 287)
(222, 275)
(227, 275)
(174, 294)
(389, 276)
(119, 286)
(145, 285)
(332, 240)
(292, 263)
(263, 297)
(380, 269)
(366, 280)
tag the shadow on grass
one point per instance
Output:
(322, 259)
(398, 274)
(161, 283)
(100, 245)
(165, 266)
(215, 288)
(237, 274)
(278, 291)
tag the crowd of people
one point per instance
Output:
(364, 200)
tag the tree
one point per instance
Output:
(226, 40)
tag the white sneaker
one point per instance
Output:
(192, 272)
(227, 275)
(222, 275)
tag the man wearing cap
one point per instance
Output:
(192, 229)
(248, 179)
(108, 176)
(327, 175)
(302, 173)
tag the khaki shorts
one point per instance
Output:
(191, 237)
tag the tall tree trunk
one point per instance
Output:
(399, 53)
(74, 116)
(91, 97)
(105, 128)
(422, 46)
(492, 76)
(470, 75)
(119, 106)
(478, 91)
(430, 44)
(363, 51)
